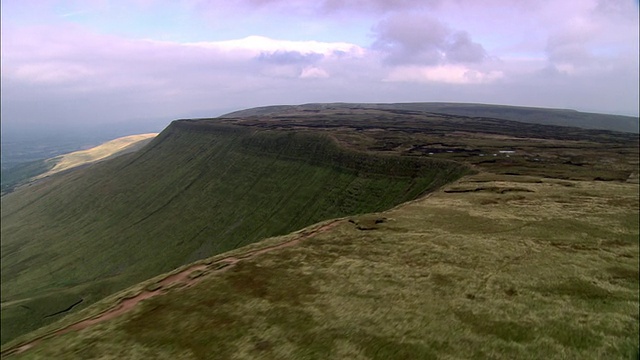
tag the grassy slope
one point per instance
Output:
(20, 173)
(196, 190)
(493, 267)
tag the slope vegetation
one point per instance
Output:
(200, 188)
(491, 267)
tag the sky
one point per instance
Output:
(73, 63)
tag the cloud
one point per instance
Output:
(450, 74)
(289, 57)
(380, 6)
(596, 38)
(86, 75)
(312, 72)
(262, 44)
(577, 53)
(52, 72)
(33, 55)
(421, 39)
(461, 49)
(327, 7)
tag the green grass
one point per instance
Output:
(197, 190)
(419, 285)
(17, 175)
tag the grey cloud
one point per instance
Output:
(463, 49)
(410, 39)
(289, 57)
(597, 39)
(617, 8)
(569, 45)
(342, 5)
(354, 7)
(569, 52)
(419, 39)
(376, 5)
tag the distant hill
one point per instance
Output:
(562, 117)
(38, 169)
(104, 151)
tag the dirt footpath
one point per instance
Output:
(186, 278)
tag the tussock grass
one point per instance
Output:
(419, 285)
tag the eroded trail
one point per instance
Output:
(186, 278)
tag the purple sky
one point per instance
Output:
(103, 61)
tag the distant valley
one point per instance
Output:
(33, 170)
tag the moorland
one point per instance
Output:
(332, 232)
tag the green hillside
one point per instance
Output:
(200, 188)
(491, 267)
(206, 242)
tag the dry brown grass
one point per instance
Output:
(100, 152)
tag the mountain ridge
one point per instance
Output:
(104, 221)
(544, 116)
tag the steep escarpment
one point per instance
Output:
(200, 188)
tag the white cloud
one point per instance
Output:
(52, 72)
(311, 72)
(450, 74)
(260, 44)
